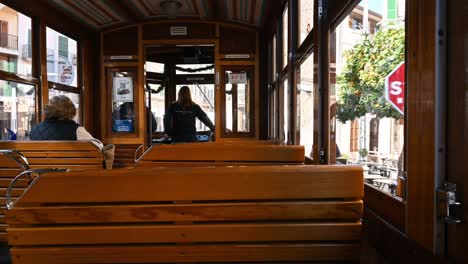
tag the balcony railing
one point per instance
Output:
(8, 41)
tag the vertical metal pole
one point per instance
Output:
(321, 55)
(440, 118)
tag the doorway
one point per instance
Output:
(167, 69)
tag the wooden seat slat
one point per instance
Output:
(62, 154)
(68, 166)
(193, 253)
(262, 211)
(201, 233)
(207, 163)
(235, 152)
(9, 173)
(6, 163)
(4, 182)
(2, 219)
(179, 184)
(15, 192)
(48, 145)
(64, 160)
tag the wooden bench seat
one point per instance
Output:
(197, 214)
(221, 154)
(75, 155)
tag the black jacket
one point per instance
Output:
(55, 130)
(179, 123)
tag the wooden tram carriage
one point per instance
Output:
(253, 195)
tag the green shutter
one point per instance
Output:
(63, 46)
(392, 13)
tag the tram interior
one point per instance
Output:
(339, 131)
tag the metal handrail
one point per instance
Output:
(17, 157)
(27, 173)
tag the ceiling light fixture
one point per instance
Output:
(170, 7)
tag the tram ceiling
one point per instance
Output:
(105, 14)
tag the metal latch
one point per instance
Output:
(446, 201)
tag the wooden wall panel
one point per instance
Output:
(121, 42)
(157, 31)
(235, 41)
(458, 123)
(421, 81)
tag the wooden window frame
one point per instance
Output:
(108, 98)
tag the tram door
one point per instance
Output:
(457, 134)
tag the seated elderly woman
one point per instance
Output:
(59, 124)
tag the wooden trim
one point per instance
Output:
(391, 208)
(338, 10)
(63, 87)
(256, 101)
(187, 41)
(121, 64)
(389, 244)
(13, 77)
(421, 79)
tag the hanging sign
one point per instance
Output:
(395, 88)
(123, 89)
(237, 78)
(66, 73)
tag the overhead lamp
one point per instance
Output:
(170, 7)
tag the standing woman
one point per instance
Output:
(179, 122)
(59, 124)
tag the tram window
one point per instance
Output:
(368, 118)
(15, 42)
(285, 37)
(62, 59)
(306, 18)
(123, 106)
(17, 110)
(305, 101)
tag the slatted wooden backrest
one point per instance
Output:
(69, 154)
(199, 214)
(75, 155)
(229, 153)
(8, 170)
